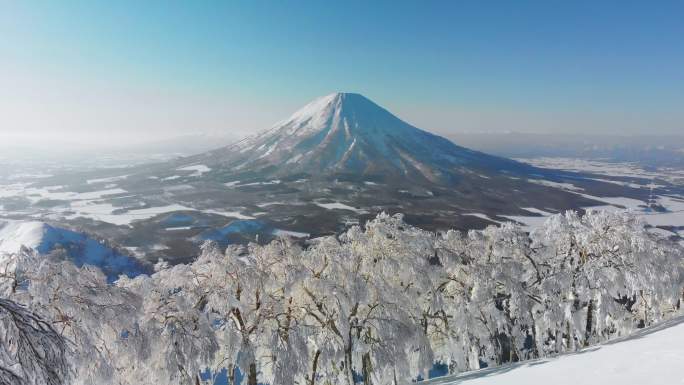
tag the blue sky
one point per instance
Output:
(137, 70)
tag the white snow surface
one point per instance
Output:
(313, 115)
(288, 233)
(482, 216)
(178, 228)
(230, 214)
(104, 212)
(562, 186)
(106, 180)
(340, 206)
(198, 169)
(80, 248)
(622, 169)
(674, 205)
(651, 356)
(15, 234)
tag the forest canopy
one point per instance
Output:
(378, 304)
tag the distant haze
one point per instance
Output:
(101, 74)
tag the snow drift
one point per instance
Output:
(650, 356)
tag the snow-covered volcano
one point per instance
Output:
(349, 134)
(336, 162)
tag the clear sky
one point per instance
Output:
(89, 70)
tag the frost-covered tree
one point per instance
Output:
(488, 286)
(31, 350)
(608, 275)
(379, 304)
(361, 291)
(173, 333)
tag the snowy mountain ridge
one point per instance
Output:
(14, 235)
(78, 247)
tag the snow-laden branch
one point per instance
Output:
(32, 352)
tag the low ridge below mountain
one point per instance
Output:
(64, 244)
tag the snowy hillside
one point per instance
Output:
(77, 247)
(13, 235)
(651, 356)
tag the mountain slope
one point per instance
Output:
(346, 133)
(77, 247)
(651, 356)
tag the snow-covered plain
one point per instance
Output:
(230, 214)
(548, 183)
(481, 216)
(198, 169)
(97, 204)
(288, 233)
(340, 206)
(623, 169)
(651, 356)
(107, 180)
(673, 216)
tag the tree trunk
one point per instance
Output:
(231, 375)
(571, 337)
(590, 321)
(535, 340)
(252, 380)
(367, 369)
(314, 368)
(348, 362)
(559, 341)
